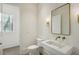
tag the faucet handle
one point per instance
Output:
(57, 37)
(63, 38)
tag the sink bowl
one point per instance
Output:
(55, 44)
(56, 47)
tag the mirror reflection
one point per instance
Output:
(60, 20)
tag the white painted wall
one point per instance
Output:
(11, 39)
(75, 27)
(28, 25)
(44, 11)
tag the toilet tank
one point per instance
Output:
(39, 40)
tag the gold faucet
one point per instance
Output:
(57, 37)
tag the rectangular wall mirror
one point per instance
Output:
(60, 20)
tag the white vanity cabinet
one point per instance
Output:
(55, 48)
(47, 51)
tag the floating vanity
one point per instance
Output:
(55, 48)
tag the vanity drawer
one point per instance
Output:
(47, 51)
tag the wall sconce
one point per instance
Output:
(78, 19)
(47, 21)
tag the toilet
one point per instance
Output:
(35, 49)
(39, 40)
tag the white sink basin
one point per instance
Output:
(60, 48)
(55, 44)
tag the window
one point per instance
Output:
(6, 23)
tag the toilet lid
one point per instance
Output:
(33, 47)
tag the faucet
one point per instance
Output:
(63, 38)
(57, 37)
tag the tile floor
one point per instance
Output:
(12, 51)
